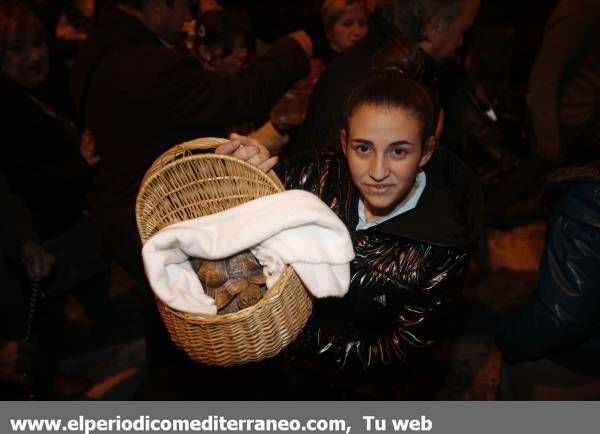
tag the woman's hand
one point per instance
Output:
(248, 150)
(15, 359)
(37, 261)
(87, 147)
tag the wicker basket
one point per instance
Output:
(184, 183)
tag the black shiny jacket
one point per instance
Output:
(407, 277)
(561, 322)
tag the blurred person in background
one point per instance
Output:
(551, 346)
(224, 42)
(345, 22)
(436, 26)
(43, 167)
(20, 251)
(139, 96)
(28, 321)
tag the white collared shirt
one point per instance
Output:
(409, 203)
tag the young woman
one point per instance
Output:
(413, 213)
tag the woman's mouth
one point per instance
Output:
(35, 68)
(378, 188)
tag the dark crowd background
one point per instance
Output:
(52, 179)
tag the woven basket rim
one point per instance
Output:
(157, 172)
(203, 156)
(210, 156)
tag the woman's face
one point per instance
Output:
(25, 58)
(385, 151)
(349, 29)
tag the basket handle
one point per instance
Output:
(187, 149)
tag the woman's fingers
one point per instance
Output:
(268, 164)
(227, 148)
(248, 150)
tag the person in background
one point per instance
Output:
(170, 98)
(139, 96)
(43, 167)
(551, 346)
(42, 162)
(436, 26)
(19, 248)
(224, 42)
(345, 22)
(27, 329)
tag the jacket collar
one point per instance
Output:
(450, 210)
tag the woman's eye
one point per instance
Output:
(347, 23)
(398, 152)
(361, 149)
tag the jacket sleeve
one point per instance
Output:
(565, 306)
(197, 97)
(15, 223)
(403, 297)
(566, 32)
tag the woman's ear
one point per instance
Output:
(439, 128)
(344, 141)
(428, 148)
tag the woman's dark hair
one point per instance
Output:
(412, 16)
(402, 54)
(406, 57)
(16, 17)
(391, 88)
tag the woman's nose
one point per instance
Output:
(378, 170)
(35, 54)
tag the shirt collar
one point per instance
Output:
(409, 203)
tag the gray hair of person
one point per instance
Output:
(332, 11)
(16, 17)
(411, 17)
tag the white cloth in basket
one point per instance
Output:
(293, 227)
